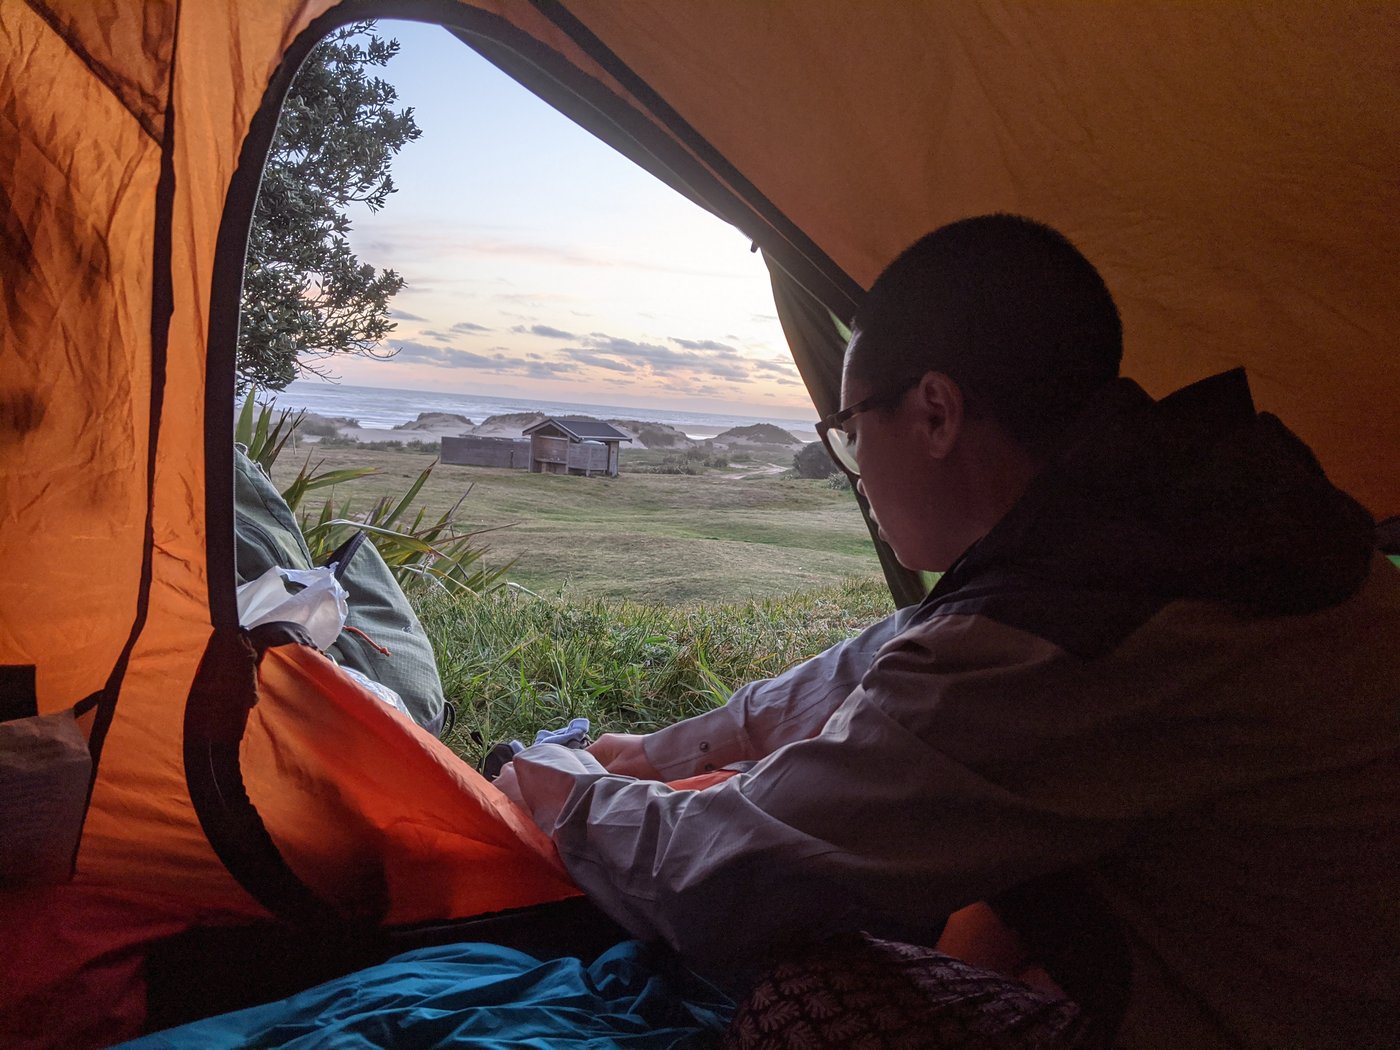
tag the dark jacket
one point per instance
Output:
(1172, 668)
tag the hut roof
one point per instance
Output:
(581, 429)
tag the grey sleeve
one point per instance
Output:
(866, 821)
(762, 716)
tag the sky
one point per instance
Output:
(540, 263)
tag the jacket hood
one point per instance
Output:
(1193, 496)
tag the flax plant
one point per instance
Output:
(419, 550)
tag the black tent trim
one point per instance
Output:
(795, 263)
(225, 686)
(216, 716)
(779, 237)
(223, 693)
(162, 310)
(105, 75)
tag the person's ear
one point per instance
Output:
(941, 411)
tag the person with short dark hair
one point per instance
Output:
(1147, 713)
(1006, 307)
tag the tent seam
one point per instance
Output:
(162, 311)
(100, 72)
(841, 283)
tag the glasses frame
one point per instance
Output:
(839, 449)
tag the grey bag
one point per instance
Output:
(44, 772)
(380, 618)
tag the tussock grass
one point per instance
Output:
(514, 662)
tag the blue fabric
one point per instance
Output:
(572, 735)
(480, 995)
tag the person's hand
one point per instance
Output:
(623, 753)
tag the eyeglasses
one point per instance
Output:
(839, 445)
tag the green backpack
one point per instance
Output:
(266, 534)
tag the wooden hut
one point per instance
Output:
(574, 446)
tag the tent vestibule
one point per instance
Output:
(1231, 168)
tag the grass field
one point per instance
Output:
(651, 595)
(513, 663)
(727, 535)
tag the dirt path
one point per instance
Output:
(763, 471)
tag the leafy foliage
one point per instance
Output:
(420, 550)
(416, 551)
(264, 433)
(306, 296)
(813, 462)
(692, 461)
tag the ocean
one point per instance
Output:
(384, 409)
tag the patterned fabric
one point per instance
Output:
(860, 993)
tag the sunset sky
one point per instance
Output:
(542, 264)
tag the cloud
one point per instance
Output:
(674, 364)
(500, 363)
(596, 360)
(778, 368)
(536, 252)
(533, 298)
(404, 315)
(617, 345)
(442, 356)
(702, 344)
(544, 330)
(550, 369)
(692, 361)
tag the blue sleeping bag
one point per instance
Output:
(480, 995)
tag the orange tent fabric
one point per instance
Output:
(1231, 168)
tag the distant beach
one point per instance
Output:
(383, 414)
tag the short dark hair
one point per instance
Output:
(1006, 307)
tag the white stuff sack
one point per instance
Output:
(380, 690)
(319, 604)
(44, 771)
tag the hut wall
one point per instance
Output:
(588, 457)
(486, 452)
(549, 455)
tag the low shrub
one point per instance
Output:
(667, 468)
(429, 446)
(812, 461)
(691, 461)
(397, 445)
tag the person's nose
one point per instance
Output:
(860, 487)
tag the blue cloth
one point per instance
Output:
(572, 735)
(480, 995)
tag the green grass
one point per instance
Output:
(646, 598)
(655, 538)
(513, 663)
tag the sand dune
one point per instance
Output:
(644, 433)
